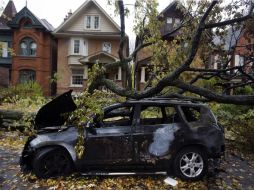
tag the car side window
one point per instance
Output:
(121, 116)
(152, 115)
(171, 115)
(192, 114)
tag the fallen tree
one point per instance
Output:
(184, 78)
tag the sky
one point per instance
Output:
(54, 11)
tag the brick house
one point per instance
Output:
(87, 36)
(171, 16)
(6, 43)
(35, 50)
(238, 46)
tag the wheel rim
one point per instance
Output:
(191, 164)
(55, 164)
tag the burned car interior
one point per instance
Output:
(153, 135)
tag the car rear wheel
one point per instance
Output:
(190, 164)
(52, 162)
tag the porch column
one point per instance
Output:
(119, 73)
(143, 74)
(86, 72)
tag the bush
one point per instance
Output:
(21, 91)
(239, 123)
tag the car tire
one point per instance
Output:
(52, 162)
(190, 164)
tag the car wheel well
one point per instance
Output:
(198, 146)
(50, 147)
(44, 152)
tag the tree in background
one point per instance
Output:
(186, 72)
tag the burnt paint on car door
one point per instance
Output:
(154, 135)
(110, 145)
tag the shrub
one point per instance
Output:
(238, 121)
(21, 91)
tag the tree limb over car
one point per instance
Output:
(176, 77)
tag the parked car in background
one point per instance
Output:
(148, 135)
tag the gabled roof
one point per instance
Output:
(79, 10)
(98, 54)
(8, 13)
(36, 22)
(170, 6)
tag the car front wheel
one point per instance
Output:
(190, 164)
(52, 162)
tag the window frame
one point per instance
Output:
(4, 49)
(92, 22)
(106, 50)
(75, 75)
(27, 70)
(78, 48)
(28, 51)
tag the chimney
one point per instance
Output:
(68, 15)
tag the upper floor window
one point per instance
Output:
(28, 24)
(4, 49)
(92, 22)
(106, 46)
(76, 46)
(177, 21)
(169, 20)
(239, 60)
(28, 47)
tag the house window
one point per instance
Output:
(169, 20)
(177, 21)
(77, 77)
(96, 22)
(239, 60)
(27, 24)
(106, 46)
(88, 22)
(92, 22)
(76, 46)
(4, 49)
(26, 75)
(28, 47)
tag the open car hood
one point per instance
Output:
(51, 114)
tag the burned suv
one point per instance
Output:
(149, 135)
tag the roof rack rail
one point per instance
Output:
(164, 98)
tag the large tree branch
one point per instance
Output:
(208, 94)
(232, 21)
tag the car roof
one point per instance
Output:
(157, 101)
(162, 101)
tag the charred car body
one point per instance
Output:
(135, 136)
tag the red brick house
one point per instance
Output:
(35, 50)
(238, 46)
